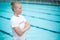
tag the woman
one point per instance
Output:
(18, 22)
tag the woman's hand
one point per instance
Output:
(27, 25)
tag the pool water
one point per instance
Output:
(44, 21)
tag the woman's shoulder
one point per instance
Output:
(13, 18)
(21, 16)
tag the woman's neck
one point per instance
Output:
(16, 14)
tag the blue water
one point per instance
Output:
(44, 21)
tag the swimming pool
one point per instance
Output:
(44, 21)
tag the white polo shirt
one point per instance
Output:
(18, 22)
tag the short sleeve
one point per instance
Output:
(14, 24)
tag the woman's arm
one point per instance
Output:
(27, 26)
(21, 32)
(18, 31)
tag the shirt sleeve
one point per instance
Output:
(14, 23)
